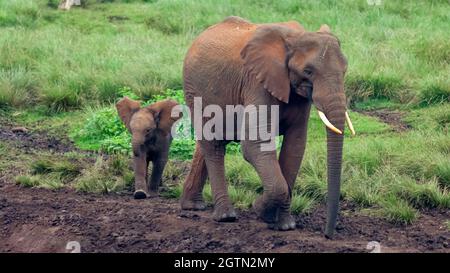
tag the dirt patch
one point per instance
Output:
(39, 220)
(35, 140)
(391, 117)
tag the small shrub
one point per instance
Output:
(240, 197)
(64, 168)
(182, 148)
(48, 181)
(175, 171)
(424, 195)
(441, 170)
(313, 187)
(363, 196)
(173, 191)
(301, 204)
(42, 166)
(435, 94)
(103, 177)
(378, 87)
(58, 99)
(398, 211)
(18, 87)
(241, 174)
(26, 181)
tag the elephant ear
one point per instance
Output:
(162, 113)
(265, 57)
(126, 107)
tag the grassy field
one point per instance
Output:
(61, 72)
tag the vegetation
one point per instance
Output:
(398, 50)
(62, 72)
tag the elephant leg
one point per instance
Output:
(214, 153)
(291, 155)
(140, 174)
(273, 205)
(192, 197)
(156, 177)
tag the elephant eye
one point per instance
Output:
(307, 72)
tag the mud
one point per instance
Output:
(34, 140)
(40, 220)
(391, 117)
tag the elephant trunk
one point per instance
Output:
(137, 144)
(334, 165)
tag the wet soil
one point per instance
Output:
(34, 140)
(40, 220)
(391, 117)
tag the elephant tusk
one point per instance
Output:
(328, 123)
(349, 123)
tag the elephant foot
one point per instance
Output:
(192, 204)
(284, 222)
(224, 214)
(267, 213)
(140, 194)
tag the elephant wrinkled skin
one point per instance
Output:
(236, 62)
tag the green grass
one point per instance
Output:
(65, 60)
(62, 72)
(65, 168)
(430, 118)
(106, 175)
(398, 211)
(301, 204)
(27, 181)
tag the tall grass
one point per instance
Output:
(65, 60)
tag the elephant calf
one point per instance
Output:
(150, 128)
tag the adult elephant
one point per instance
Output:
(236, 62)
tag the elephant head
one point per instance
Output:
(287, 60)
(146, 123)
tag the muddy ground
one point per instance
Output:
(391, 117)
(40, 220)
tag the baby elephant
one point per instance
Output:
(150, 128)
